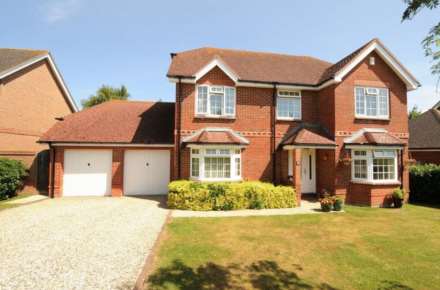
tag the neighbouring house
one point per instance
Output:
(243, 115)
(32, 95)
(424, 141)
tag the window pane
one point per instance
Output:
(217, 167)
(230, 101)
(289, 107)
(360, 101)
(202, 100)
(211, 151)
(383, 102)
(195, 167)
(224, 151)
(237, 167)
(360, 169)
(371, 105)
(383, 169)
(216, 104)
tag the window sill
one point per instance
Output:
(199, 116)
(216, 179)
(372, 118)
(376, 182)
(288, 119)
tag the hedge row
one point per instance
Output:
(425, 183)
(191, 195)
(12, 174)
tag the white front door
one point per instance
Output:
(87, 172)
(146, 172)
(308, 171)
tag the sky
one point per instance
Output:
(96, 42)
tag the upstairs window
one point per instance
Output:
(215, 101)
(289, 105)
(371, 103)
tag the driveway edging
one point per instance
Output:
(147, 268)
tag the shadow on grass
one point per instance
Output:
(392, 285)
(259, 275)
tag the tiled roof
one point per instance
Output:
(215, 136)
(375, 138)
(11, 58)
(424, 131)
(308, 134)
(117, 122)
(252, 66)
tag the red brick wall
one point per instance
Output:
(426, 156)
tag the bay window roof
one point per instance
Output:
(215, 136)
(375, 137)
(308, 135)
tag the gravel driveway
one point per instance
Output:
(77, 243)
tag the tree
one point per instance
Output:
(431, 43)
(106, 93)
(414, 113)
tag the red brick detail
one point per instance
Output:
(59, 172)
(117, 172)
(371, 195)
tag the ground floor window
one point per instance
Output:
(215, 163)
(378, 165)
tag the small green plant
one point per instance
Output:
(338, 204)
(12, 174)
(192, 195)
(398, 197)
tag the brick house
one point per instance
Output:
(242, 115)
(424, 141)
(32, 95)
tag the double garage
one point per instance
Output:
(89, 172)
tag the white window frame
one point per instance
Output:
(370, 159)
(364, 115)
(215, 90)
(280, 95)
(233, 155)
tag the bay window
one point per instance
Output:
(215, 101)
(216, 164)
(375, 166)
(371, 103)
(289, 105)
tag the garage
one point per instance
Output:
(146, 172)
(87, 172)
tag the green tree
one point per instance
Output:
(414, 113)
(431, 43)
(106, 93)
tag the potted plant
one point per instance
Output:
(338, 203)
(398, 197)
(326, 204)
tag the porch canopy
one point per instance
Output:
(308, 136)
(373, 137)
(215, 136)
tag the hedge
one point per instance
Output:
(12, 174)
(192, 195)
(425, 183)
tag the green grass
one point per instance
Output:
(4, 204)
(363, 248)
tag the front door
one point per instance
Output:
(308, 171)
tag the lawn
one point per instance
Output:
(4, 204)
(363, 248)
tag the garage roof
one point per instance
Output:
(125, 122)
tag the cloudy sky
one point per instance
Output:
(97, 42)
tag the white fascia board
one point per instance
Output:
(372, 147)
(222, 65)
(285, 86)
(111, 145)
(222, 146)
(58, 76)
(410, 81)
(183, 80)
(290, 147)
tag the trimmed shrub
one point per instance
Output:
(12, 174)
(425, 183)
(192, 195)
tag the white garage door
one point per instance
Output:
(87, 172)
(146, 172)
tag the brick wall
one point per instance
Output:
(426, 156)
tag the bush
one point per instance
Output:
(425, 183)
(12, 174)
(192, 195)
(399, 193)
